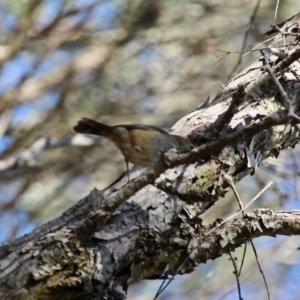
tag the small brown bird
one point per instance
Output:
(141, 145)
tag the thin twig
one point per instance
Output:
(243, 259)
(252, 18)
(238, 212)
(159, 292)
(260, 269)
(163, 287)
(280, 67)
(236, 275)
(237, 99)
(276, 9)
(231, 183)
(277, 28)
(288, 103)
(160, 289)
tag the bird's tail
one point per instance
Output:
(90, 126)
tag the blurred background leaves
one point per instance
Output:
(127, 61)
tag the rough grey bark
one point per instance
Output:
(151, 227)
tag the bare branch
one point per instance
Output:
(260, 270)
(240, 211)
(236, 274)
(237, 99)
(288, 103)
(28, 157)
(280, 67)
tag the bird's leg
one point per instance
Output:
(127, 168)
